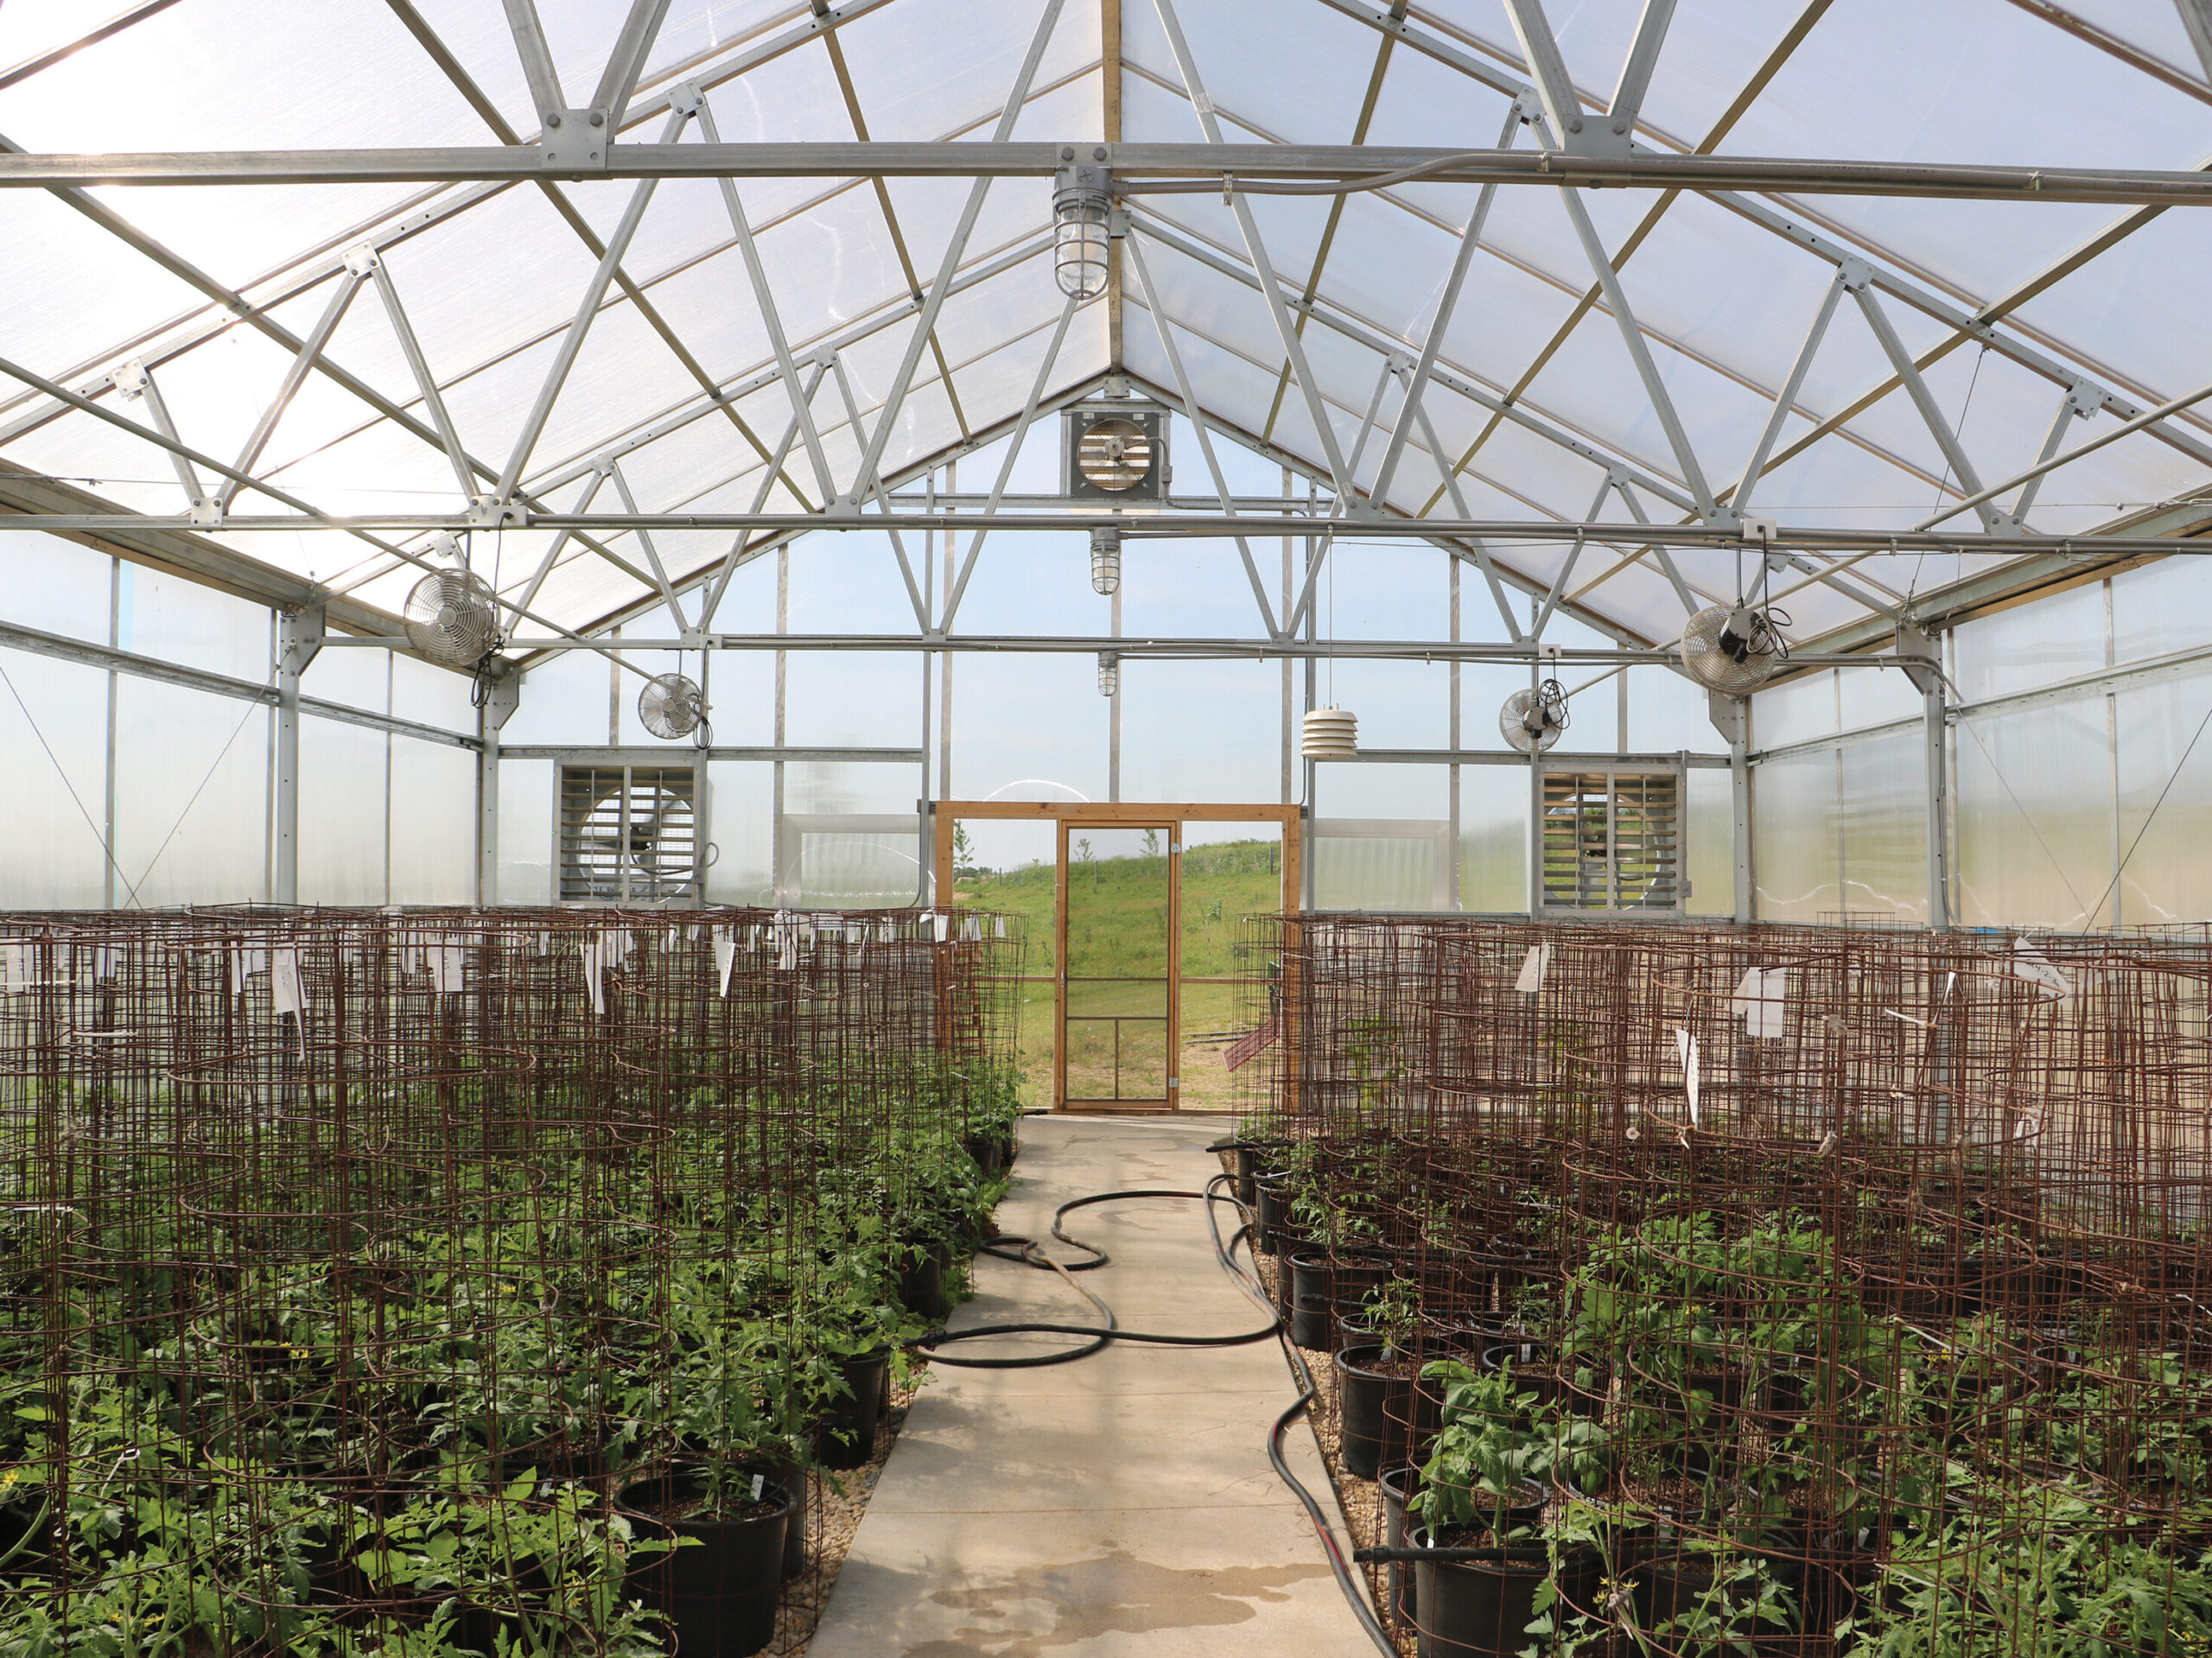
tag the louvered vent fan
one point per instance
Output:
(1734, 651)
(629, 834)
(1612, 839)
(1531, 721)
(452, 617)
(1116, 450)
(671, 705)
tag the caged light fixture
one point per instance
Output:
(1083, 200)
(1109, 673)
(1105, 559)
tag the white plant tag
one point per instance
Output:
(725, 955)
(1686, 1047)
(590, 950)
(1532, 969)
(758, 1480)
(2031, 964)
(284, 992)
(1759, 996)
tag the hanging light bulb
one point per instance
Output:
(1105, 559)
(1109, 673)
(1082, 201)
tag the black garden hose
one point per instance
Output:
(1028, 1252)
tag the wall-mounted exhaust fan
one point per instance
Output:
(452, 617)
(1734, 649)
(1115, 449)
(671, 705)
(1531, 721)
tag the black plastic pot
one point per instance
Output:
(1252, 1157)
(845, 1437)
(1399, 1485)
(921, 1284)
(792, 1478)
(1272, 1205)
(992, 1152)
(1382, 1421)
(1363, 1423)
(1312, 1299)
(1666, 1589)
(719, 1588)
(1474, 1609)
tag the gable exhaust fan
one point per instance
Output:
(453, 618)
(1531, 721)
(671, 705)
(1734, 649)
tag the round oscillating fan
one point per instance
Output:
(452, 617)
(671, 705)
(1531, 721)
(1734, 649)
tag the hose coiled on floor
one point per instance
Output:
(1029, 1252)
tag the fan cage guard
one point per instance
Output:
(671, 705)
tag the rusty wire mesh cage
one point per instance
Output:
(412, 1283)
(1775, 1290)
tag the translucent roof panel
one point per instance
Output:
(571, 375)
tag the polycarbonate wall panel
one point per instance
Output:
(191, 795)
(55, 586)
(166, 616)
(1796, 711)
(1381, 837)
(2055, 639)
(342, 770)
(1709, 824)
(53, 748)
(1494, 838)
(432, 697)
(742, 818)
(1794, 836)
(525, 872)
(1883, 791)
(2034, 815)
(2161, 609)
(433, 823)
(565, 699)
(2165, 798)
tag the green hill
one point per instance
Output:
(1117, 906)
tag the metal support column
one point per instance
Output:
(1731, 718)
(299, 636)
(500, 699)
(1922, 664)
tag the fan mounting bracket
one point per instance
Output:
(490, 513)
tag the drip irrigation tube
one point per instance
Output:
(1029, 1252)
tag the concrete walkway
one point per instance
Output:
(1122, 1504)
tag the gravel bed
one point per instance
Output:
(1360, 1501)
(832, 1518)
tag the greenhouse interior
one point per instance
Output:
(1068, 829)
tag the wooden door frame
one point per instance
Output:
(1064, 815)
